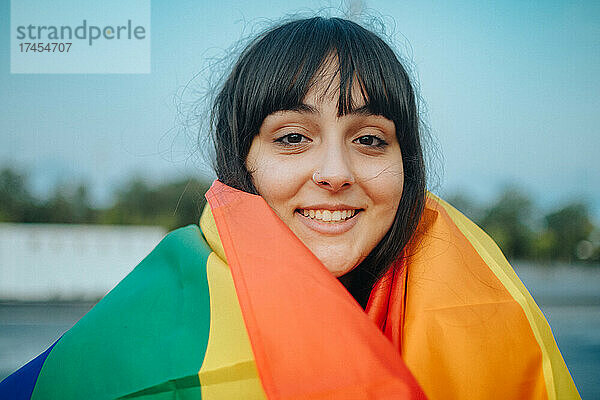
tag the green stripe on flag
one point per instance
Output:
(149, 332)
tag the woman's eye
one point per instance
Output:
(370, 140)
(291, 139)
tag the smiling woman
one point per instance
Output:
(342, 110)
(322, 269)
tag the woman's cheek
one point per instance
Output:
(383, 183)
(277, 182)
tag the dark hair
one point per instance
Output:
(274, 73)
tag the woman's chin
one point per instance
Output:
(338, 269)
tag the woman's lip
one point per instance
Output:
(329, 228)
(331, 207)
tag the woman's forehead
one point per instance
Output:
(325, 87)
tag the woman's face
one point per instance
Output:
(356, 160)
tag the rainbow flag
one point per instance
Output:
(242, 309)
(239, 309)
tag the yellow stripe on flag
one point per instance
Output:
(229, 367)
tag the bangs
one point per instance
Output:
(288, 60)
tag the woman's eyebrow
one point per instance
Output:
(363, 111)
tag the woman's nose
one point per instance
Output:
(334, 173)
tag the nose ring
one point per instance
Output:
(315, 178)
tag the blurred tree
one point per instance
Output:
(16, 203)
(594, 239)
(543, 245)
(171, 205)
(465, 205)
(190, 201)
(569, 225)
(508, 222)
(69, 203)
(132, 201)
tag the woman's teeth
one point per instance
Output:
(327, 215)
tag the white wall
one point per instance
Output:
(63, 261)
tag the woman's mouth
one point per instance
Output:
(329, 222)
(330, 216)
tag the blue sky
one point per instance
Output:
(511, 92)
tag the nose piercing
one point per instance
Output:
(315, 178)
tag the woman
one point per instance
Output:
(321, 176)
